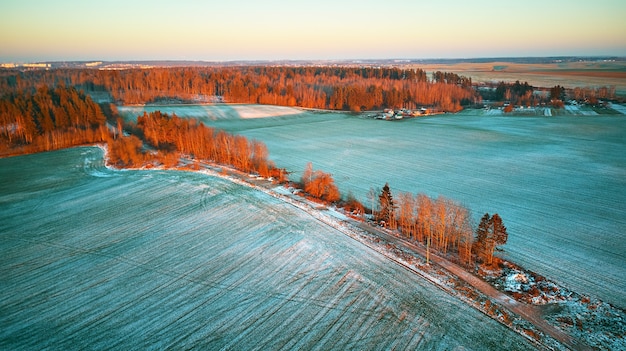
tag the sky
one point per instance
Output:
(227, 30)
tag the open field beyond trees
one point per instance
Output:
(558, 183)
(567, 74)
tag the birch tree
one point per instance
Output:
(424, 219)
(406, 214)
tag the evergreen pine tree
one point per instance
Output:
(490, 233)
(500, 235)
(386, 205)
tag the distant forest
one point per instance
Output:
(335, 88)
(49, 119)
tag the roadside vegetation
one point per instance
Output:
(441, 225)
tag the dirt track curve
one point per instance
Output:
(528, 312)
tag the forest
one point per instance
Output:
(54, 118)
(48, 119)
(335, 88)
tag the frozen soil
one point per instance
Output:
(92, 258)
(520, 299)
(557, 182)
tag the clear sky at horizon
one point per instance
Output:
(65, 30)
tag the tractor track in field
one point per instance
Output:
(352, 227)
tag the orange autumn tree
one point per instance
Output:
(338, 88)
(171, 134)
(320, 184)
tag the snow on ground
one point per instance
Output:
(179, 260)
(515, 281)
(212, 112)
(572, 109)
(263, 111)
(577, 111)
(557, 183)
(494, 112)
(619, 108)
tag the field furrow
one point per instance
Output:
(176, 260)
(558, 183)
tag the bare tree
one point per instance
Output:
(319, 184)
(372, 196)
(406, 214)
(307, 175)
(424, 219)
(461, 232)
(439, 222)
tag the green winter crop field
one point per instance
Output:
(559, 183)
(92, 258)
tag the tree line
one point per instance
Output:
(338, 88)
(51, 118)
(440, 224)
(452, 78)
(173, 137)
(48, 119)
(516, 93)
(592, 95)
(54, 118)
(522, 94)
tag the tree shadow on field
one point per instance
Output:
(221, 111)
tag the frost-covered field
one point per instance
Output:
(215, 112)
(619, 108)
(559, 183)
(576, 110)
(98, 259)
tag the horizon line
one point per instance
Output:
(354, 60)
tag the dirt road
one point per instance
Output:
(528, 312)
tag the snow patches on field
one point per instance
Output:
(575, 110)
(493, 112)
(619, 108)
(212, 112)
(514, 281)
(93, 163)
(264, 111)
(133, 262)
